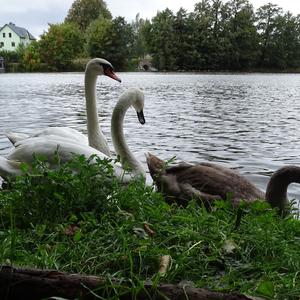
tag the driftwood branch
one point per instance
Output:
(34, 284)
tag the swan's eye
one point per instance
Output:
(109, 71)
(107, 67)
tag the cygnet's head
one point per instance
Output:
(100, 66)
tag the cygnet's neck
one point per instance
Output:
(118, 138)
(276, 193)
(96, 138)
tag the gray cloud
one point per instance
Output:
(34, 15)
(147, 9)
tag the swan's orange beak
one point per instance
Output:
(110, 73)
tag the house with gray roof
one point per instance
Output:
(11, 36)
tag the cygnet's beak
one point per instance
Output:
(141, 117)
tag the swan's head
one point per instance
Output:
(100, 66)
(132, 97)
(138, 101)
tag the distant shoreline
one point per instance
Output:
(17, 68)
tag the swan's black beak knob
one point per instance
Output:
(141, 117)
(110, 73)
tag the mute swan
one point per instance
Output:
(96, 138)
(210, 182)
(47, 145)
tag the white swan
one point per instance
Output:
(47, 145)
(96, 138)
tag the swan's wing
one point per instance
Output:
(60, 132)
(189, 192)
(181, 167)
(46, 146)
(221, 168)
(9, 167)
(182, 193)
(64, 132)
(202, 178)
(15, 137)
(51, 137)
(218, 181)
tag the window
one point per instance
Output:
(1, 44)
(3, 34)
(9, 34)
(13, 44)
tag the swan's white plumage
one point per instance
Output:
(63, 132)
(96, 138)
(47, 145)
(14, 137)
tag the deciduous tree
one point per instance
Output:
(184, 48)
(266, 26)
(139, 47)
(161, 38)
(60, 45)
(83, 12)
(31, 59)
(111, 39)
(242, 34)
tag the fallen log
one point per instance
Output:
(35, 284)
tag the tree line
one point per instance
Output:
(217, 35)
(221, 35)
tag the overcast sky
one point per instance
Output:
(35, 15)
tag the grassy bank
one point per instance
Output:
(86, 222)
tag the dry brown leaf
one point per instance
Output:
(71, 230)
(149, 230)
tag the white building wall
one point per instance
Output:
(10, 40)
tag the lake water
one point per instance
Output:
(248, 122)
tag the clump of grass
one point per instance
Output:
(78, 218)
(43, 195)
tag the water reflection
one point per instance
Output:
(249, 122)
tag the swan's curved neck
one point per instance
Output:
(276, 193)
(117, 133)
(96, 138)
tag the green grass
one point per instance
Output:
(78, 218)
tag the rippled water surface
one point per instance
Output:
(249, 122)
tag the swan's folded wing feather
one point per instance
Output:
(223, 169)
(219, 181)
(70, 134)
(15, 137)
(9, 167)
(205, 179)
(46, 147)
(178, 169)
(63, 132)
